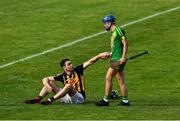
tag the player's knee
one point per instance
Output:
(49, 89)
(122, 83)
(51, 82)
(71, 90)
(108, 78)
(68, 86)
(45, 81)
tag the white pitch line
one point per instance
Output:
(85, 38)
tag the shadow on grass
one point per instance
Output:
(92, 102)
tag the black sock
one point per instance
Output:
(39, 97)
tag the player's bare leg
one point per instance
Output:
(109, 76)
(123, 88)
(68, 89)
(122, 85)
(48, 87)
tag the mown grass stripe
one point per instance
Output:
(85, 38)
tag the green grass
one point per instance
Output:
(29, 27)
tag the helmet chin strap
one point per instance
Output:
(108, 29)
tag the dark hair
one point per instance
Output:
(63, 61)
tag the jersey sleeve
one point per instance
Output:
(79, 69)
(59, 78)
(123, 35)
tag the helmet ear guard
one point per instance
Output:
(109, 18)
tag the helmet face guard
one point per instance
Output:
(108, 28)
(109, 18)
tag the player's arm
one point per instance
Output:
(125, 49)
(91, 61)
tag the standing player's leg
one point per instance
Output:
(123, 88)
(110, 74)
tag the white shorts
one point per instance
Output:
(76, 99)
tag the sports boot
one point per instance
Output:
(35, 100)
(102, 103)
(124, 104)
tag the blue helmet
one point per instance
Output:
(108, 18)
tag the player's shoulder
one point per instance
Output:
(79, 68)
(60, 74)
(120, 31)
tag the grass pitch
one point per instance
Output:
(29, 27)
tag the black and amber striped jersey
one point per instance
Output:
(76, 79)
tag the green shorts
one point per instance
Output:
(116, 65)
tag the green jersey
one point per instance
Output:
(117, 36)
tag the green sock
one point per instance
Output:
(125, 99)
(106, 98)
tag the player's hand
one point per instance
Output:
(46, 102)
(123, 60)
(105, 55)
